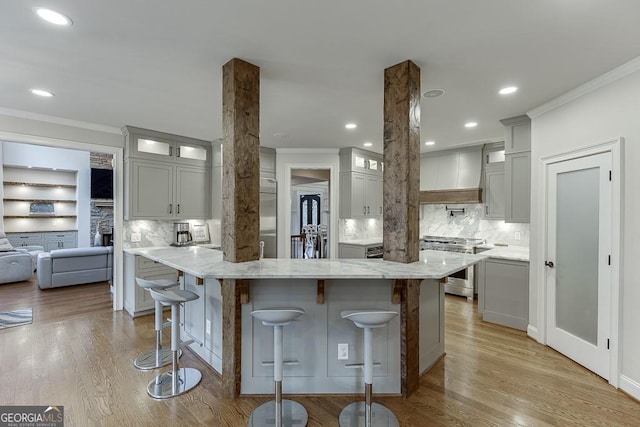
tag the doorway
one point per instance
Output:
(580, 284)
(310, 213)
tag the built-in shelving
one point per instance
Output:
(25, 187)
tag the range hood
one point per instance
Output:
(451, 176)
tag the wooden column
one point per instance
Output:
(401, 194)
(401, 191)
(240, 201)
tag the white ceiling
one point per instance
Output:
(158, 63)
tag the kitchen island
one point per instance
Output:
(240, 348)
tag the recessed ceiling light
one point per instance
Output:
(42, 92)
(507, 90)
(470, 124)
(430, 143)
(433, 93)
(368, 144)
(351, 125)
(52, 16)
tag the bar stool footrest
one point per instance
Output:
(148, 360)
(284, 362)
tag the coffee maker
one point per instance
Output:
(181, 234)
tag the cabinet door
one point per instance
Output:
(151, 147)
(494, 194)
(150, 191)
(517, 135)
(373, 195)
(193, 154)
(506, 293)
(60, 241)
(518, 187)
(352, 198)
(193, 193)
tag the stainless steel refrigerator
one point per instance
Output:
(268, 217)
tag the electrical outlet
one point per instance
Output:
(208, 327)
(343, 351)
(518, 235)
(136, 237)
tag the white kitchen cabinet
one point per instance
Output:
(360, 195)
(494, 180)
(25, 239)
(494, 194)
(137, 301)
(158, 146)
(517, 187)
(64, 240)
(164, 191)
(517, 168)
(361, 184)
(503, 292)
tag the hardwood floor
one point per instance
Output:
(78, 353)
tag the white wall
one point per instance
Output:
(46, 157)
(287, 159)
(603, 115)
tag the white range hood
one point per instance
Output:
(452, 176)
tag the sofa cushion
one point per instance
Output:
(65, 260)
(4, 243)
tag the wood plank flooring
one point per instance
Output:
(78, 353)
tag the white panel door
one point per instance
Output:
(578, 276)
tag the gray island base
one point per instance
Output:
(240, 348)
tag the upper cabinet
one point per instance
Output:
(517, 168)
(494, 180)
(267, 162)
(361, 183)
(152, 145)
(166, 176)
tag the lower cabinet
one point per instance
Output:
(137, 301)
(60, 241)
(50, 241)
(503, 292)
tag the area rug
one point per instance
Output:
(9, 319)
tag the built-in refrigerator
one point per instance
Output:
(268, 217)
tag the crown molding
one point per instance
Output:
(591, 86)
(307, 150)
(59, 121)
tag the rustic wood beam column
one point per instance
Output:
(240, 196)
(401, 194)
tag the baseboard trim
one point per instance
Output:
(630, 387)
(532, 331)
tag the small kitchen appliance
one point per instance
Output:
(181, 234)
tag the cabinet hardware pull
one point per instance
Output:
(170, 151)
(368, 210)
(178, 152)
(549, 264)
(178, 208)
(170, 208)
(364, 210)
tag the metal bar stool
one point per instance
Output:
(278, 412)
(375, 415)
(177, 380)
(158, 357)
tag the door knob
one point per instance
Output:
(549, 264)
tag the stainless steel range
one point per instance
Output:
(462, 282)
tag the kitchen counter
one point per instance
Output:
(229, 292)
(363, 242)
(207, 263)
(512, 253)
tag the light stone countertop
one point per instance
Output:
(513, 253)
(363, 242)
(208, 263)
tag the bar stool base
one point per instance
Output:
(353, 416)
(147, 361)
(161, 387)
(293, 414)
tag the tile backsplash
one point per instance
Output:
(436, 221)
(158, 233)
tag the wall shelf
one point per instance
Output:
(39, 216)
(38, 184)
(40, 200)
